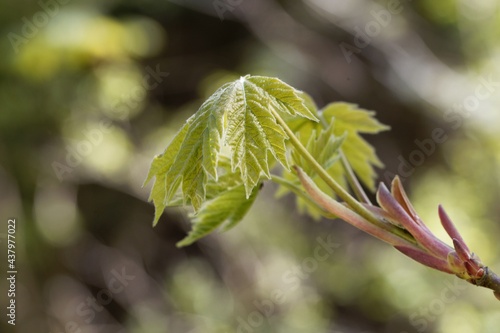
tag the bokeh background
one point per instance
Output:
(91, 90)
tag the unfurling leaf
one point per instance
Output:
(237, 119)
(323, 146)
(351, 120)
(340, 128)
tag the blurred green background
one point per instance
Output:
(91, 90)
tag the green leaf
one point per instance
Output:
(237, 119)
(159, 167)
(229, 207)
